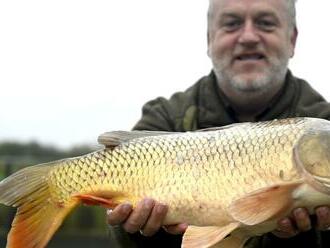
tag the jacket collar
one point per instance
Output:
(215, 109)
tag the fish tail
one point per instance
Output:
(38, 216)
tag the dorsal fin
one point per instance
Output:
(115, 138)
(223, 127)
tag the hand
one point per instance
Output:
(147, 217)
(301, 222)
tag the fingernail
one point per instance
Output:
(284, 222)
(127, 207)
(184, 226)
(322, 211)
(299, 212)
(109, 211)
(285, 228)
(148, 203)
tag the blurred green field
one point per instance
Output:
(85, 227)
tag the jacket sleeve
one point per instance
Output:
(156, 116)
(312, 238)
(178, 114)
(118, 238)
(310, 103)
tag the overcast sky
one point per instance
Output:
(72, 69)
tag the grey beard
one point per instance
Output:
(267, 81)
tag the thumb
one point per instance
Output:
(176, 229)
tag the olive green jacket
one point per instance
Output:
(203, 105)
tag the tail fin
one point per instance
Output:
(38, 215)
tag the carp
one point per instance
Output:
(238, 179)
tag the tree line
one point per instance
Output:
(27, 153)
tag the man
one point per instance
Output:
(250, 43)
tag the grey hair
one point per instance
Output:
(292, 12)
(291, 4)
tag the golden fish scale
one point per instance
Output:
(193, 173)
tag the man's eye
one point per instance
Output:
(232, 25)
(266, 25)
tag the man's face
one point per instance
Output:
(250, 43)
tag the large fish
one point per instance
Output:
(238, 179)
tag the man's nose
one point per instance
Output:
(249, 35)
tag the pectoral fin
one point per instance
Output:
(96, 200)
(203, 237)
(263, 204)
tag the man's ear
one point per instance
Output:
(208, 42)
(293, 40)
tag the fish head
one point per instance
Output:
(312, 157)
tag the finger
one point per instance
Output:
(155, 219)
(323, 218)
(285, 229)
(302, 219)
(119, 214)
(176, 229)
(139, 216)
